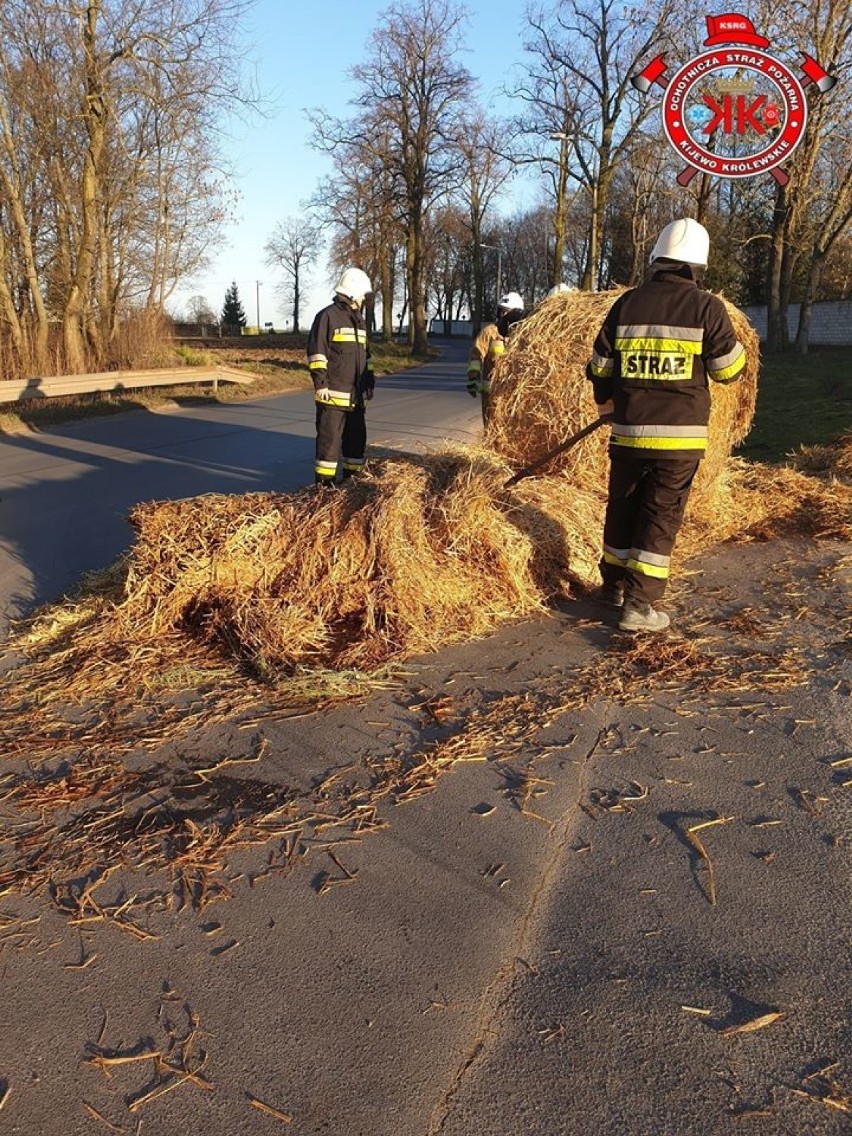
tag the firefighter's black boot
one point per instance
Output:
(611, 595)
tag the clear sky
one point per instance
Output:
(303, 51)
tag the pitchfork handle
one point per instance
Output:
(568, 444)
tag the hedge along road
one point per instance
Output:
(65, 493)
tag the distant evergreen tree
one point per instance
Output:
(233, 315)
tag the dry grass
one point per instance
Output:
(399, 564)
(833, 460)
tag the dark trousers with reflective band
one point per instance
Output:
(340, 434)
(645, 507)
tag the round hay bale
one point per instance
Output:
(540, 394)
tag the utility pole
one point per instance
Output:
(258, 284)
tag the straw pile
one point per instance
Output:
(831, 460)
(422, 552)
(425, 552)
(415, 556)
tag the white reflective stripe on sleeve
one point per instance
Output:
(727, 366)
(601, 366)
(317, 358)
(722, 361)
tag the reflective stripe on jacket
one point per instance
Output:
(659, 345)
(339, 355)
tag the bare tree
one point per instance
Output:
(115, 191)
(824, 174)
(411, 92)
(484, 147)
(358, 203)
(294, 246)
(526, 267)
(579, 93)
(199, 310)
(549, 124)
(448, 252)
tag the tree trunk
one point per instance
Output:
(803, 331)
(9, 314)
(589, 282)
(38, 334)
(702, 199)
(478, 313)
(417, 331)
(74, 316)
(776, 314)
(387, 289)
(559, 215)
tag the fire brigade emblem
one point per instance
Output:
(734, 111)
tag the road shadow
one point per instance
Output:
(53, 481)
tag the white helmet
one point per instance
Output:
(685, 240)
(354, 285)
(559, 289)
(511, 302)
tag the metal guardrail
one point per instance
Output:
(117, 381)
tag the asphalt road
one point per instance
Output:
(489, 963)
(65, 493)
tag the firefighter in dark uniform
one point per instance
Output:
(339, 362)
(650, 365)
(490, 346)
